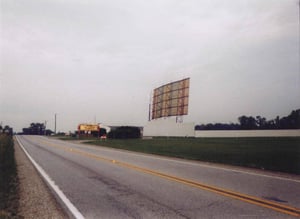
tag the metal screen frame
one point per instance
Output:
(171, 99)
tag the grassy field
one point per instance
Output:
(8, 179)
(277, 154)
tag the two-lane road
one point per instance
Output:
(106, 183)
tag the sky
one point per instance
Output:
(98, 61)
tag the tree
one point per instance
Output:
(261, 122)
(6, 130)
(247, 123)
(125, 132)
(294, 119)
(35, 129)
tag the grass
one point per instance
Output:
(8, 179)
(270, 153)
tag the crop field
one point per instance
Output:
(271, 153)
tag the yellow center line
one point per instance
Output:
(225, 192)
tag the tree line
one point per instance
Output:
(292, 121)
(6, 130)
(122, 132)
(125, 132)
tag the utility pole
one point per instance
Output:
(150, 101)
(45, 127)
(55, 123)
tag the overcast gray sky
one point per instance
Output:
(90, 60)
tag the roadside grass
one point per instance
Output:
(8, 179)
(270, 153)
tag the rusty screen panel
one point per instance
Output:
(171, 99)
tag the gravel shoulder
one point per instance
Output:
(36, 200)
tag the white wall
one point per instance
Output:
(169, 128)
(247, 133)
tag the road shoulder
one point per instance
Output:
(36, 200)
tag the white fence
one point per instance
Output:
(168, 127)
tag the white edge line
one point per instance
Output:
(74, 211)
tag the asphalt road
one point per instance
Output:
(108, 183)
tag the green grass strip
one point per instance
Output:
(270, 153)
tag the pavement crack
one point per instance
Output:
(272, 198)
